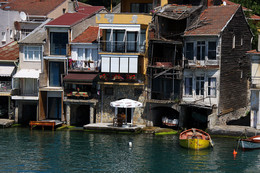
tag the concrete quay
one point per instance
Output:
(232, 130)
(6, 123)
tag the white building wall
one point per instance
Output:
(7, 29)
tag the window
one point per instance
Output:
(189, 51)
(80, 54)
(64, 10)
(212, 50)
(141, 7)
(118, 38)
(234, 42)
(3, 37)
(200, 86)
(124, 41)
(212, 86)
(188, 86)
(32, 53)
(242, 40)
(59, 42)
(131, 41)
(201, 50)
(11, 33)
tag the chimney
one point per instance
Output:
(71, 6)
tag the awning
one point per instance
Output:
(27, 73)
(6, 71)
(126, 103)
(79, 78)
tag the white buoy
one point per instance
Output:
(130, 144)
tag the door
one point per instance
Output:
(54, 108)
(56, 69)
(29, 113)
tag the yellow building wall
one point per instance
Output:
(126, 4)
(123, 18)
(164, 2)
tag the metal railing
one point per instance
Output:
(122, 46)
(84, 65)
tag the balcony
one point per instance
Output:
(82, 65)
(5, 86)
(126, 78)
(122, 46)
(123, 18)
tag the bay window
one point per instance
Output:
(124, 40)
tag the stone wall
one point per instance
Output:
(106, 113)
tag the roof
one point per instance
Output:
(177, 12)
(9, 52)
(33, 7)
(70, 19)
(6, 71)
(253, 52)
(36, 36)
(212, 20)
(79, 77)
(27, 73)
(233, 3)
(254, 17)
(88, 36)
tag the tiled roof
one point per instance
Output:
(33, 7)
(70, 19)
(88, 36)
(212, 20)
(9, 51)
(233, 3)
(254, 17)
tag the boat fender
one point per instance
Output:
(130, 144)
(234, 152)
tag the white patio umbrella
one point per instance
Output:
(126, 103)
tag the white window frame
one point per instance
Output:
(191, 94)
(3, 36)
(26, 58)
(195, 46)
(84, 58)
(209, 87)
(201, 93)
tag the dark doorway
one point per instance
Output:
(196, 117)
(54, 108)
(127, 112)
(4, 107)
(82, 115)
(29, 113)
(159, 112)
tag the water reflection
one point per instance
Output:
(23, 150)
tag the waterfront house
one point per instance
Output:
(19, 18)
(26, 80)
(124, 57)
(255, 87)
(166, 63)
(215, 77)
(9, 55)
(57, 52)
(80, 83)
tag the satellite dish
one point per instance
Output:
(23, 16)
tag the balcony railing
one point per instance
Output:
(122, 46)
(84, 65)
(5, 86)
(112, 77)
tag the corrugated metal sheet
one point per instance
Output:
(27, 73)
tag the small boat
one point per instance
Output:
(195, 139)
(250, 143)
(170, 122)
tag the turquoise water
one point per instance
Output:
(22, 150)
